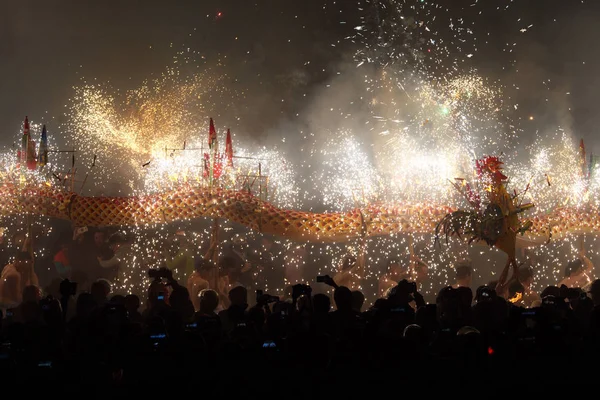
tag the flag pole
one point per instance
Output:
(215, 255)
(212, 147)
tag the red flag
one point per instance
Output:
(212, 134)
(229, 149)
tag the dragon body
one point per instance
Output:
(189, 202)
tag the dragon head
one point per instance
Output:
(492, 167)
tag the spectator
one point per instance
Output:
(358, 299)
(100, 290)
(235, 314)
(207, 320)
(132, 305)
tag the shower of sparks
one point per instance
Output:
(143, 124)
(431, 116)
(344, 174)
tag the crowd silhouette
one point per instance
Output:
(306, 345)
(222, 330)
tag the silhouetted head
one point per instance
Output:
(343, 298)
(381, 304)
(118, 299)
(179, 300)
(238, 296)
(485, 293)
(158, 292)
(358, 300)
(132, 303)
(402, 293)
(85, 304)
(550, 291)
(100, 290)
(465, 295)
(321, 303)
(492, 284)
(209, 300)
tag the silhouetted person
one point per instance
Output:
(132, 305)
(100, 289)
(358, 300)
(345, 321)
(235, 314)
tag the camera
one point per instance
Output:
(485, 293)
(322, 278)
(301, 289)
(159, 273)
(45, 364)
(406, 286)
(265, 298)
(549, 300)
(269, 344)
(155, 273)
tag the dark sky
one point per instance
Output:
(47, 46)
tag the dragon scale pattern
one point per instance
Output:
(261, 216)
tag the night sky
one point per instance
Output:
(48, 47)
